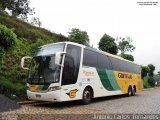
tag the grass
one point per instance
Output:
(29, 37)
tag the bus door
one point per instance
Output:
(70, 72)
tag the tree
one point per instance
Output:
(159, 73)
(144, 71)
(107, 44)
(36, 21)
(124, 45)
(18, 7)
(151, 81)
(78, 36)
(151, 70)
(127, 57)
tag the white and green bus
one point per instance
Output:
(68, 71)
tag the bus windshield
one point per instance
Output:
(50, 50)
(43, 70)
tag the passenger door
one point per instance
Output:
(71, 71)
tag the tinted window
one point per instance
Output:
(90, 58)
(121, 65)
(115, 63)
(50, 49)
(71, 65)
(104, 62)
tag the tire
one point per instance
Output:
(133, 91)
(87, 96)
(129, 92)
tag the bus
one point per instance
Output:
(67, 71)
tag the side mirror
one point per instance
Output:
(58, 58)
(23, 61)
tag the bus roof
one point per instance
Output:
(90, 48)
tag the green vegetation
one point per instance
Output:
(78, 36)
(159, 73)
(8, 88)
(8, 38)
(146, 83)
(122, 45)
(151, 70)
(107, 44)
(19, 8)
(148, 75)
(125, 45)
(19, 39)
(127, 57)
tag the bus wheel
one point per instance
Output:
(133, 91)
(129, 91)
(87, 96)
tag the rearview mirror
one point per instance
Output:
(58, 58)
(23, 61)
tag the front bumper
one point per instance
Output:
(47, 96)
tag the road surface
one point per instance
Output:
(146, 102)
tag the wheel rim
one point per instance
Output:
(87, 95)
(134, 91)
(129, 92)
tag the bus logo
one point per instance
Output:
(72, 93)
(88, 73)
(127, 76)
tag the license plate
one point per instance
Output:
(38, 96)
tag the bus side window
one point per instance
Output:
(68, 69)
(104, 62)
(71, 65)
(90, 58)
(115, 63)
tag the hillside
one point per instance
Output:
(12, 77)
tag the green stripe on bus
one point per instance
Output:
(112, 79)
(104, 79)
(108, 79)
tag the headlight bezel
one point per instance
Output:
(54, 88)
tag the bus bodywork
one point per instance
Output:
(68, 71)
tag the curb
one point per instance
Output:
(149, 88)
(27, 102)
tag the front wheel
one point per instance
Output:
(87, 96)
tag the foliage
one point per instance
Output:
(107, 44)
(144, 71)
(18, 7)
(78, 36)
(151, 81)
(146, 83)
(151, 70)
(8, 88)
(124, 45)
(147, 70)
(7, 38)
(36, 22)
(29, 32)
(2, 52)
(159, 73)
(29, 37)
(127, 57)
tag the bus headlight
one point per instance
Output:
(54, 88)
